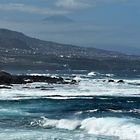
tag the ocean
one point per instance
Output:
(92, 109)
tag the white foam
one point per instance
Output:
(35, 134)
(87, 87)
(119, 127)
(109, 126)
(126, 111)
(47, 123)
(78, 79)
(109, 75)
(87, 111)
(133, 82)
(38, 74)
(62, 124)
(68, 124)
(93, 73)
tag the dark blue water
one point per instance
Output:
(19, 114)
(102, 117)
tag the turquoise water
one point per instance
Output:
(91, 110)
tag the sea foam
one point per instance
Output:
(119, 127)
(51, 123)
(110, 126)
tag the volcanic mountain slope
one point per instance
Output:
(22, 52)
(58, 19)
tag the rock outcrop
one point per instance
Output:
(8, 79)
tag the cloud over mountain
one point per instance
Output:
(73, 4)
(20, 7)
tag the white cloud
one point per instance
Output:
(73, 4)
(29, 9)
(81, 4)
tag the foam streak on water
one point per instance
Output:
(87, 87)
(119, 127)
(93, 109)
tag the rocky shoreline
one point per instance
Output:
(8, 79)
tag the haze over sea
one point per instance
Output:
(93, 109)
(101, 102)
(105, 24)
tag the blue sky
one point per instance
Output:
(105, 24)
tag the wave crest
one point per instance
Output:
(109, 126)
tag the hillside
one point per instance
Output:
(19, 51)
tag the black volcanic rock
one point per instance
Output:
(8, 79)
(5, 78)
(111, 81)
(120, 81)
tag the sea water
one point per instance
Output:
(93, 109)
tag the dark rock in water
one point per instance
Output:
(111, 81)
(5, 78)
(47, 89)
(120, 81)
(68, 79)
(8, 79)
(23, 79)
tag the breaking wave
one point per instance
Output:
(110, 126)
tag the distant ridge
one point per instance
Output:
(14, 39)
(20, 51)
(58, 19)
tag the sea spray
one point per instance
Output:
(107, 126)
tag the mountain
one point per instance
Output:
(19, 51)
(60, 19)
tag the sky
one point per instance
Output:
(104, 24)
